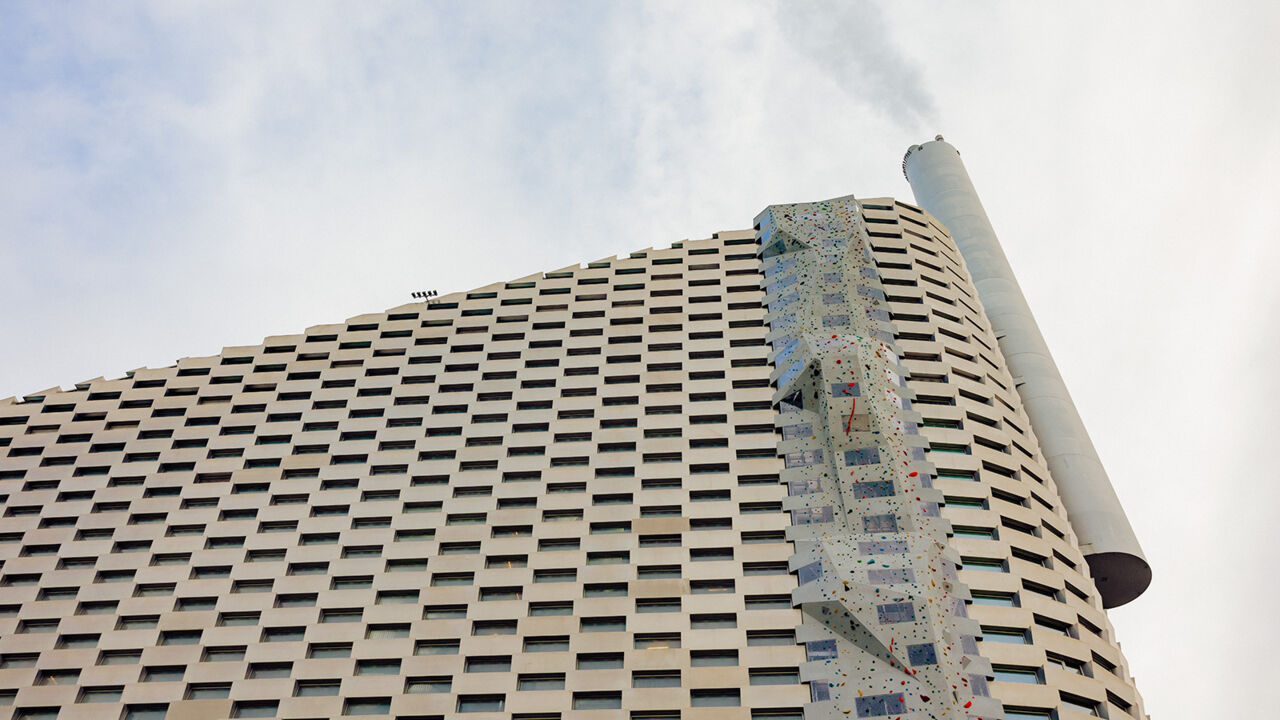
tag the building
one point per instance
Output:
(775, 474)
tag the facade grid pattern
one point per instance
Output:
(1044, 628)
(549, 498)
(556, 497)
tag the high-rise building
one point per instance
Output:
(801, 471)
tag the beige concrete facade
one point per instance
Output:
(556, 497)
(1044, 628)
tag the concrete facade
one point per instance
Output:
(565, 496)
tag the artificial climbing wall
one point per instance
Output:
(884, 622)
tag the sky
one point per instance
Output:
(176, 177)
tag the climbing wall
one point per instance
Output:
(883, 614)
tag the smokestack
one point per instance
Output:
(942, 187)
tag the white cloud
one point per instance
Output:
(177, 177)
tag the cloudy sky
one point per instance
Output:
(176, 177)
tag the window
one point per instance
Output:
(229, 653)
(537, 609)
(655, 678)
(713, 658)
(551, 643)
(513, 592)
(436, 684)
(36, 713)
(481, 703)
(283, 634)
(37, 627)
(546, 681)
(58, 677)
(208, 691)
(1018, 674)
(162, 673)
(1015, 636)
(768, 602)
(974, 532)
(367, 706)
(999, 599)
(387, 630)
(493, 627)
(378, 667)
(764, 568)
(270, 670)
(727, 697)
(341, 615)
(148, 711)
(604, 624)
(180, 637)
(251, 586)
(359, 551)
(460, 578)
(254, 708)
(164, 559)
(444, 612)
(351, 582)
(296, 600)
(657, 641)
(316, 688)
(26, 660)
(110, 693)
(1042, 590)
(657, 605)
(1068, 663)
(490, 663)
(984, 564)
(431, 647)
(397, 597)
(1028, 713)
(106, 657)
(597, 700)
(329, 650)
(406, 564)
(703, 587)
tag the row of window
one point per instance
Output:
(412, 684)
(1003, 598)
(330, 538)
(429, 647)
(307, 445)
(311, 425)
(626, 324)
(492, 372)
(697, 621)
(448, 646)
(469, 703)
(412, 534)
(156, 516)
(456, 409)
(438, 579)
(524, 405)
